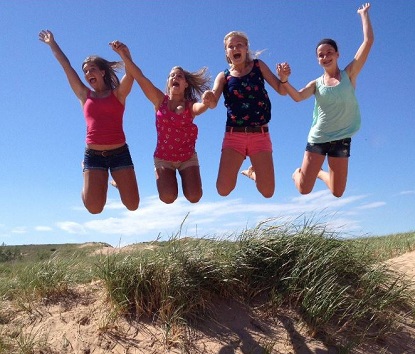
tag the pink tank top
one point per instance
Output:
(176, 133)
(104, 120)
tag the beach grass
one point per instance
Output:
(340, 288)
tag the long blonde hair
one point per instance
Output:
(250, 55)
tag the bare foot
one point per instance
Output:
(297, 170)
(322, 175)
(112, 183)
(250, 173)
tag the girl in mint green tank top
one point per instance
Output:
(336, 115)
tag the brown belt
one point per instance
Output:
(246, 129)
(106, 153)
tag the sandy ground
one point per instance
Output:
(85, 324)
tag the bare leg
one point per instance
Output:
(94, 193)
(263, 172)
(126, 182)
(305, 177)
(191, 183)
(336, 177)
(166, 184)
(230, 163)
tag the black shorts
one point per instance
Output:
(336, 148)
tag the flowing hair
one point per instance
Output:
(110, 67)
(198, 82)
(250, 55)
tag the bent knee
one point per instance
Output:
(168, 198)
(132, 206)
(267, 194)
(337, 194)
(224, 190)
(194, 198)
(94, 209)
(304, 190)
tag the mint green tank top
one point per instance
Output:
(336, 112)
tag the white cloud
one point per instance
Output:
(372, 205)
(217, 218)
(409, 192)
(71, 227)
(19, 230)
(43, 228)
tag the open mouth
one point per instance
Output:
(92, 80)
(175, 84)
(237, 56)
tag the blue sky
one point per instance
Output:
(43, 131)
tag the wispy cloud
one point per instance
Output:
(408, 192)
(371, 205)
(19, 230)
(222, 217)
(71, 227)
(43, 228)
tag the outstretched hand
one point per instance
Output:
(283, 71)
(120, 48)
(363, 9)
(209, 99)
(46, 36)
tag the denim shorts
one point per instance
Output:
(247, 144)
(179, 165)
(112, 160)
(336, 148)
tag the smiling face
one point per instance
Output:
(327, 55)
(236, 49)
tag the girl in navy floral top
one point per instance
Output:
(248, 113)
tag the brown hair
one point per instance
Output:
(110, 67)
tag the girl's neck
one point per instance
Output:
(241, 69)
(101, 93)
(332, 73)
(332, 77)
(178, 97)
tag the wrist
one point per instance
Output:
(284, 82)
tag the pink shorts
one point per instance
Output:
(176, 165)
(247, 144)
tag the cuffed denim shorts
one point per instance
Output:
(112, 160)
(179, 165)
(336, 148)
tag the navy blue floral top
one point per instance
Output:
(246, 99)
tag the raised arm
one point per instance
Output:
(153, 94)
(78, 87)
(354, 67)
(208, 101)
(284, 71)
(271, 79)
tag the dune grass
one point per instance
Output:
(338, 287)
